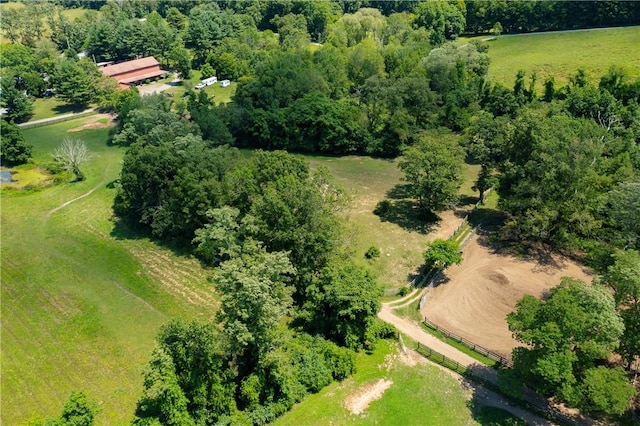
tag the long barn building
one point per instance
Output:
(134, 72)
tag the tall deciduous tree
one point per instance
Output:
(255, 298)
(433, 171)
(623, 276)
(565, 334)
(343, 302)
(442, 253)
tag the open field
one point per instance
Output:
(401, 238)
(476, 296)
(50, 107)
(562, 53)
(84, 297)
(81, 302)
(408, 393)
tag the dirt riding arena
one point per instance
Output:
(475, 297)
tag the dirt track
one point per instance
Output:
(478, 294)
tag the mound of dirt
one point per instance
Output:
(365, 394)
(476, 296)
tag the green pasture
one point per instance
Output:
(82, 302)
(561, 54)
(401, 239)
(420, 395)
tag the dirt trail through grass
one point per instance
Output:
(66, 203)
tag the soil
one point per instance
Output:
(365, 394)
(475, 297)
(93, 122)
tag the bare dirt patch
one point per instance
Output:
(365, 394)
(96, 122)
(476, 296)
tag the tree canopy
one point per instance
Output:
(566, 335)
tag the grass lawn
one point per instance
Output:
(420, 395)
(561, 54)
(50, 107)
(220, 94)
(81, 305)
(401, 241)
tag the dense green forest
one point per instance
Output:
(352, 77)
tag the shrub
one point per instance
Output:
(382, 208)
(404, 291)
(372, 252)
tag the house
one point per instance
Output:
(132, 73)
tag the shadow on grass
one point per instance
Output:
(407, 214)
(68, 109)
(493, 416)
(125, 230)
(398, 208)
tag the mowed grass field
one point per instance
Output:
(81, 305)
(561, 54)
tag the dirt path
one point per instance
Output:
(66, 203)
(414, 331)
(481, 395)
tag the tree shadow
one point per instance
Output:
(398, 192)
(408, 215)
(69, 108)
(440, 279)
(405, 212)
(124, 229)
(489, 218)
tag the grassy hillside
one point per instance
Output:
(80, 305)
(561, 53)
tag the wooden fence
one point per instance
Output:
(545, 409)
(471, 345)
(435, 356)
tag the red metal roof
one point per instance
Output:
(124, 67)
(141, 77)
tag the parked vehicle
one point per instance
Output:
(225, 83)
(209, 81)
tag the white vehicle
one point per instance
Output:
(225, 83)
(209, 81)
(200, 85)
